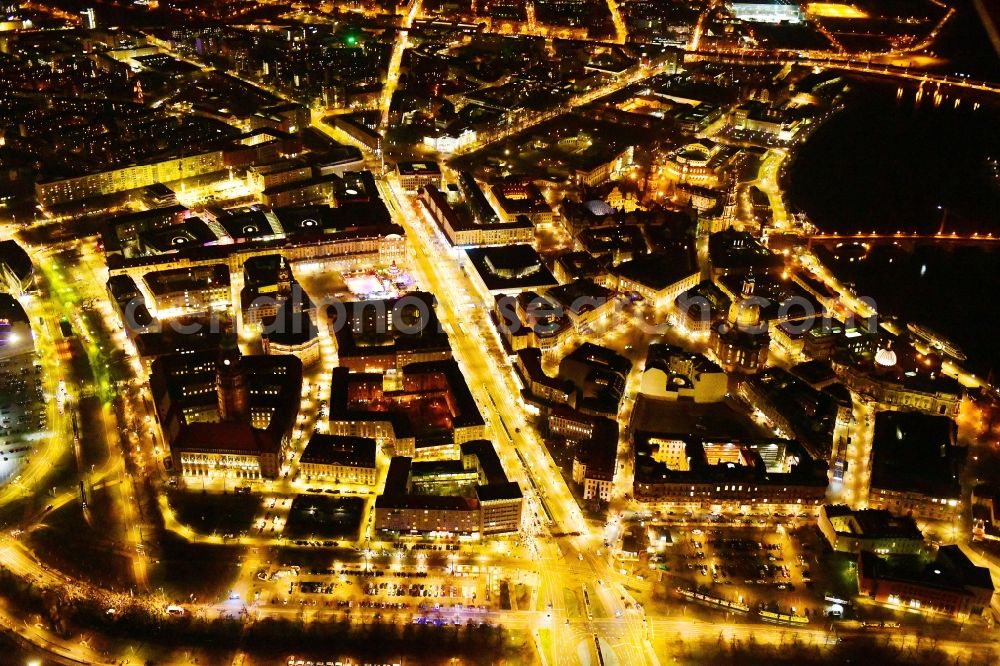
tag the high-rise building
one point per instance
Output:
(89, 18)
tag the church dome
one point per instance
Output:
(885, 357)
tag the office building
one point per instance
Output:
(671, 373)
(916, 465)
(875, 530)
(949, 584)
(683, 470)
(415, 175)
(425, 411)
(339, 459)
(388, 334)
(468, 496)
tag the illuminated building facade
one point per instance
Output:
(916, 466)
(469, 496)
(681, 470)
(671, 373)
(53, 192)
(852, 531)
(424, 412)
(339, 459)
(517, 197)
(701, 163)
(473, 232)
(595, 460)
(950, 584)
(766, 11)
(741, 344)
(388, 334)
(226, 415)
(415, 175)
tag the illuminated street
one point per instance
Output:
(499, 332)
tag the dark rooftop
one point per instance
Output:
(914, 452)
(339, 450)
(513, 267)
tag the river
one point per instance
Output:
(892, 165)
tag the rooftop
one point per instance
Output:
(510, 267)
(950, 570)
(433, 401)
(914, 452)
(479, 458)
(660, 270)
(872, 523)
(390, 326)
(339, 450)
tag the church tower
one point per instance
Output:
(743, 312)
(730, 211)
(284, 279)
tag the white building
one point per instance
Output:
(766, 11)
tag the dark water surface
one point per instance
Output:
(886, 165)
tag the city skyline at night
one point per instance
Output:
(556, 332)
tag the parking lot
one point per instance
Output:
(407, 594)
(769, 566)
(22, 410)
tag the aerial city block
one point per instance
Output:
(542, 332)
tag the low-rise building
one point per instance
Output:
(425, 411)
(599, 375)
(671, 373)
(766, 11)
(850, 530)
(915, 466)
(292, 333)
(467, 496)
(539, 386)
(223, 414)
(950, 584)
(301, 192)
(529, 319)
(519, 197)
(683, 470)
(599, 170)
(361, 128)
(549, 319)
(900, 385)
(509, 269)
(78, 188)
(659, 278)
(187, 291)
(130, 305)
(595, 461)
(339, 459)
(268, 177)
(703, 307)
(388, 334)
(813, 416)
(415, 175)
(755, 116)
(578, 266)
(470, 230)
(701, 163)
